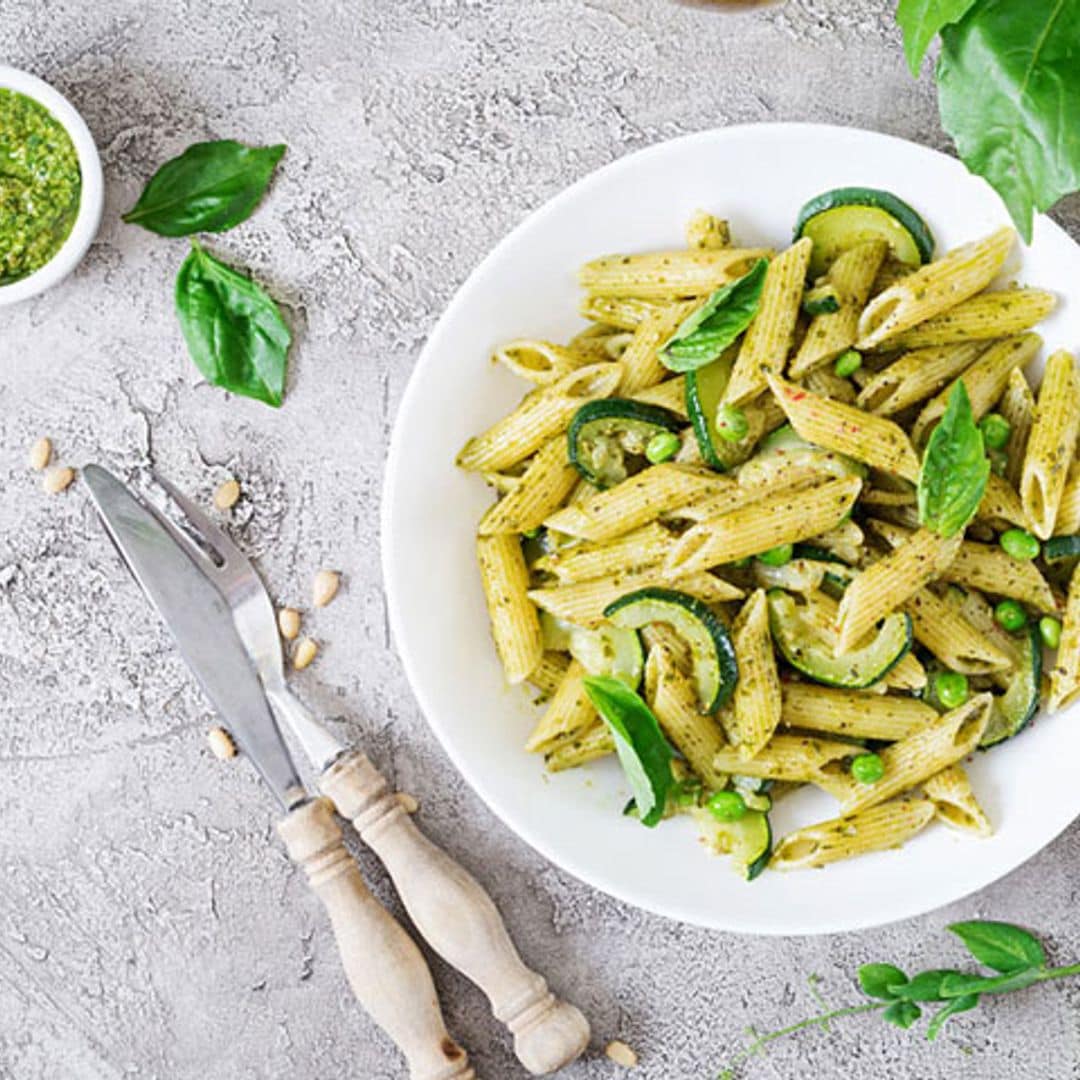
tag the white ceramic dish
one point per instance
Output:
(757, 176)
(92, 197)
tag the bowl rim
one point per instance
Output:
(91, 195)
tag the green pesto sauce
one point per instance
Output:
(40, 184)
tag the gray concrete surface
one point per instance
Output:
(150, 925)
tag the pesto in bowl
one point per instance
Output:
(40, 185)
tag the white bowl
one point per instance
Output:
(758, 176)
(91, 197)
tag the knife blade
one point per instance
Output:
(202, 626)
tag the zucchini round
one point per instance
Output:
(748, 840)
(715, 667)
(604, 431)
(1013, 710)
(808, 651)
(1058, 548)
(840, 219)
(784, 449)
(609, 650)
(704, 389)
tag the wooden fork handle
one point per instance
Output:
(457, 917)
(386, 970)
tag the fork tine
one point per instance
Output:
(212, 534)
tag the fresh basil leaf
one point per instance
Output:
(1001, 946)
(902, 1013)
(878, 980)
(707, 331)
(926, 986)
(954, 469)
(643, 751)
(960, 985)
(210, 187)
(1009, 94)
(922, 20)
(956, 1005)
(234, 330)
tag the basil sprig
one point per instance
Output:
(210, 187)
(708, 331)
(234, 330)
(1015, 957)
(1008, 92)
(954, 470)
(643, 751)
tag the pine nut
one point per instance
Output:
(288, 620)
(221, 743)
(407, 802)
(621, 1054)
(304, 653)
(325, 587)
(57, 479)
(225, 497)
(40, 454)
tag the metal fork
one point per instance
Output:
(446, 903)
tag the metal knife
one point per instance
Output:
(386, 970)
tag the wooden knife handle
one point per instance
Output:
(457, 917)
(386, 970)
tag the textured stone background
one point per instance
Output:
(150, 924)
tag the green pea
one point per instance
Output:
(848, 363)
(662, 447)
(996, 430)
(1010, 616)
(1019, 544)
(777, 556)
(731, 423)
(1050, 631)
(726, 806)
(951, 688)
(867, 768)
(532, 534)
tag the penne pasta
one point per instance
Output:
(1000, 503)
(577, 748)
(911, 760)
(941, 628)
(641, 359)
(875, 829)
(856, 714)
(845, 429)
(632, 551)
(515, 625)
(1068, 515)
(636, 501)
(987, 315)
(568, 711)
(1065, 674)
(548, 674)
(934, 288)
(1017, 405)
(621, 312)
(540, 416)
(668, 275)
(778, 518)
(769, 338)
(1051, 443)
(985, 381)
(669, 394)
(542, 361)
(852, 275)
(707, 232)
(915, 376)
(542, 489)
(799, 758)
(888, 583)
(755, 705)
(955, 803)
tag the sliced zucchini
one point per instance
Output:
(808, 650)
(704, 389)
(609, 650)
(748, 841)
(555, 632)
(603, 432)
(1058, 548)
(821, 300)
(840, 219)
(1013, 710)
(784, 450)
(713, 655)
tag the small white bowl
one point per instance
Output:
(91, 197)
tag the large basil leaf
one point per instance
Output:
(233, 328)
(1001, 946)
(954, 469)
(643, 751)
(210, 187)
(1009, 94)
(922, 20)
(706, 332)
